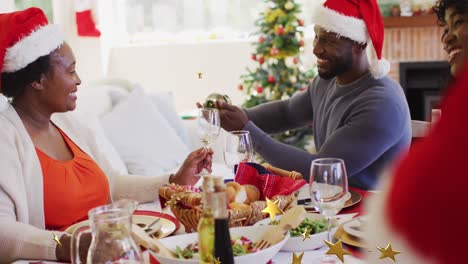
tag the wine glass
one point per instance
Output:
(238, 148)
(209, 125)
(328, 189)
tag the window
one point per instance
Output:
(45, 5)
(189, 20)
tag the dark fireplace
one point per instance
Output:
(423, 83)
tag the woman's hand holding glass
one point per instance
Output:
(195, 163)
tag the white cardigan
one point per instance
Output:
(22, 224)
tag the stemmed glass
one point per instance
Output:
(209, 125)
(238, 148)
(328, 189)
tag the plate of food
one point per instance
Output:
(316, 223)
(243, 240)
(162, 225)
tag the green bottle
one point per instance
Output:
(206, 225)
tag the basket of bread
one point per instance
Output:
(246, 196)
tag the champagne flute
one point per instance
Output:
(209, 125)
(328, 189)
(238, 148)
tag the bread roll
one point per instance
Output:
(253, 194)
(235, 192)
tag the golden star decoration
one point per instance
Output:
(56, 239)
(272, 209)
(297, 259)
(337, 250)
(306, 234)
(388, 252)
(216, 261)
(200, 75)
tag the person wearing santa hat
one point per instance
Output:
(357, 113)
(52, 172)
(423, 197)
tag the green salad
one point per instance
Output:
(240, 246)
(315, 227)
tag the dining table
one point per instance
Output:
(312, 256)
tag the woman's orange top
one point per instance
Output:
(71, 188)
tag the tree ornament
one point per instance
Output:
(274, 51)
(280, 30)
(289, 5)
(259, 89)
(296, 60)
(254, 57)
(261, 39)
(240, 87)
(261, 60)
(301, 43)
(271, 79)
(300, 22)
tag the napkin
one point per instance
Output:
(268, 183)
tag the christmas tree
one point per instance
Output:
(278, 74)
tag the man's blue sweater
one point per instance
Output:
(366, 123)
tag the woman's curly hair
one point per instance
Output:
(442, 5)
(14, 83)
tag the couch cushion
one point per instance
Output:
(164, 101)
(143, 137)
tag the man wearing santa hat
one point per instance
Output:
(357, 113)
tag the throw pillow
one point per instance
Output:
(164, 101)
(144, 139)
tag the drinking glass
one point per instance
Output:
(328, 189)
(238, 148)
(209, 125)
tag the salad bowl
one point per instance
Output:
(238, 234)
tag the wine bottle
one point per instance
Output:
(205, 226)
(222, 238)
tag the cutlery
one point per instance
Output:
(151, 243)
(291, 219)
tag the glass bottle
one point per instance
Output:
(206, 224)
(222, 238)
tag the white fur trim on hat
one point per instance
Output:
(39, 43)
(350, 27)
(379, 231)
(378, 68)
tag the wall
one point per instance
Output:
(174, 67)
(407, 44)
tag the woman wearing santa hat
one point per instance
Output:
(419, 212)
(51, 169)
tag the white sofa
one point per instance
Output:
(141, 133)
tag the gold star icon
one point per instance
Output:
(216, 261)
(306, 234)
(297, 259)
(337, 250)
(56, 239)
(272, 209)
(388, 252)
(200, 75)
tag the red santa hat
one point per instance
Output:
(358, 20)
(25, 36)
(420, 208)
